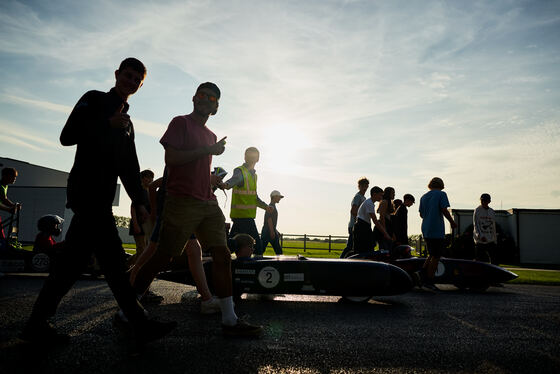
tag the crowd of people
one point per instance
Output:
(390, 225)
(179, 213)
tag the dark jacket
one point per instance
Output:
(103, 154)
(400, 224)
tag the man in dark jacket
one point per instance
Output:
(400, 220)
(104, 136)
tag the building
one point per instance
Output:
(532, 230)
(41, 191)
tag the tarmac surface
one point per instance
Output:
(514, 329)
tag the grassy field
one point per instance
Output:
(545, 277)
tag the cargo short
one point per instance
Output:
(435, 246)
(184, 216)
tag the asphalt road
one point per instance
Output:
(515, 329)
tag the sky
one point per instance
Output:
(328, 91)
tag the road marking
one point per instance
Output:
(470, 325)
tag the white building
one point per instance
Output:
(41, 191)
(533, 231)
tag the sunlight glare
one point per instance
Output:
(282, 146)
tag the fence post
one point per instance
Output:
(282, 240)
(329, 244)
(304, 241)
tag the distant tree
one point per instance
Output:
(122, 221)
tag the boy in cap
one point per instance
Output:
(269, 234)
(191, 207)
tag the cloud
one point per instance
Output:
(41, 104)
(13, 133)
(153, 129)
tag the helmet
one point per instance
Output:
(50, 224)
(402, 251)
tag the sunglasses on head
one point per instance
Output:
(204, 95)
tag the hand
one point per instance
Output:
(216, 181)
(120, 120)
(453, 225)
(218, 148)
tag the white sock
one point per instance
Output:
(229, 317)
(209, 301)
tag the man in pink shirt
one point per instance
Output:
(191, 206)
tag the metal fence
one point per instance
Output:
(313, 241)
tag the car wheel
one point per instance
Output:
(40, 262)
(357, 299)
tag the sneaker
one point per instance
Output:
(122, 325)
(211, 306)
(242, 329)
(151, 298)
(416, 279)
(151, 330)
(145, 331)
(430, 286)
(43, 332)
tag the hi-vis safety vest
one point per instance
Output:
(244, 199)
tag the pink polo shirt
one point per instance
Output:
(192, 178)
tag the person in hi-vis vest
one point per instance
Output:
(244, 199)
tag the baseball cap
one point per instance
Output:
(276, 193)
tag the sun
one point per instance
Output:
(282, 147)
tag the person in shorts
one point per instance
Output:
(434, 206)
(192, 208)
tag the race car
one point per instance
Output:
(355, 280)
(463, 274)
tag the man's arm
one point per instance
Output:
(130, 176)
(271, 229)
(152, 195)
(447, 215)
(382, 210)
(84, 122)
(176, 157)
(354, 210)
(379, 225)
(235, 180)
(261, 204)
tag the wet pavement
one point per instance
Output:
(514, 329)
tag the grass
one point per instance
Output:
(543, 277)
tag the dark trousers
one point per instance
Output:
(274, 242)
(384, 243)
(87, 234)
(247, 226)
(349, 243)
(363, 237)
(486, 252)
